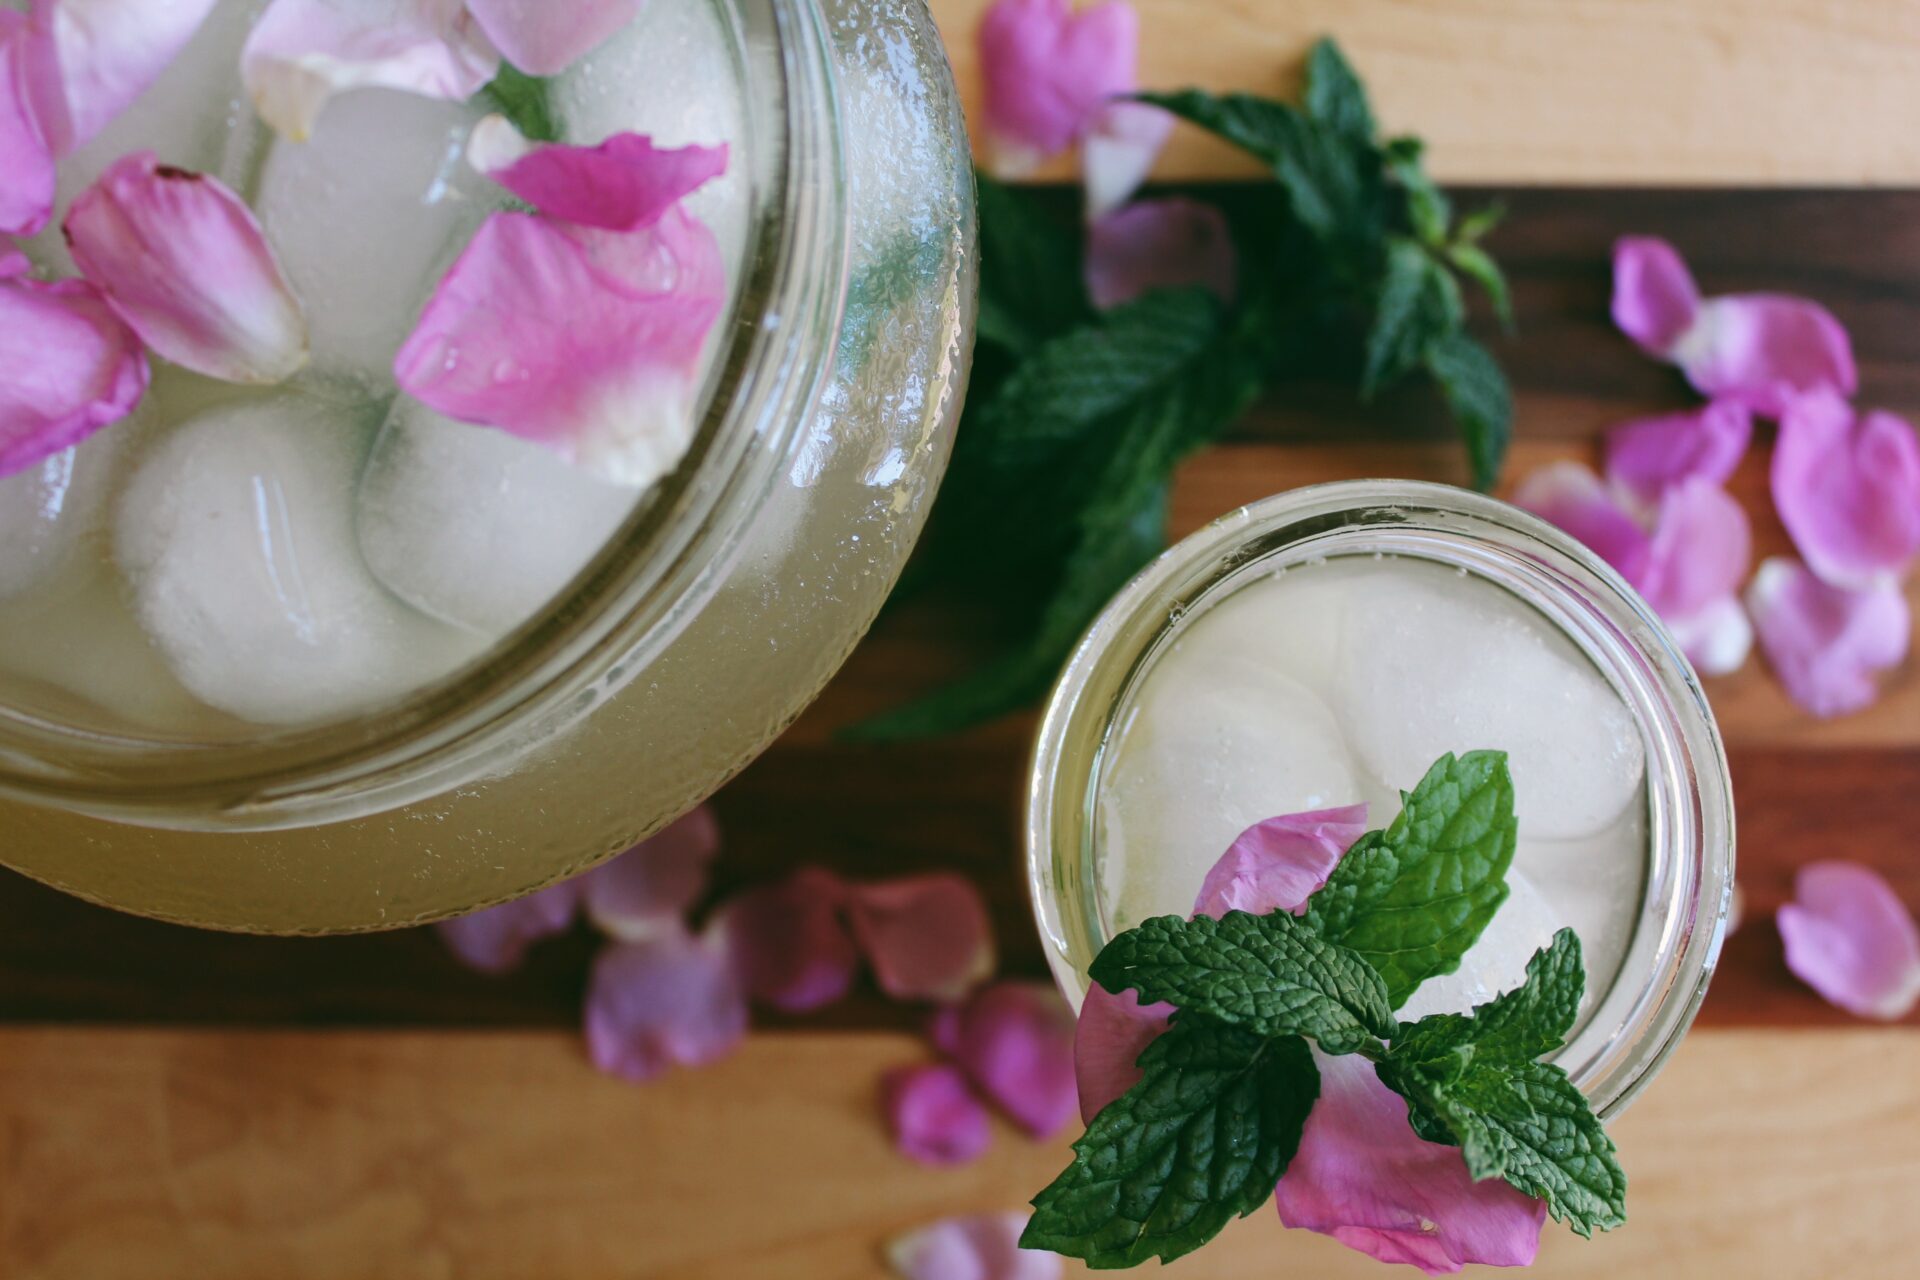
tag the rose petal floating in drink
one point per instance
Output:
(1849, 937)
(1848, 489)
(543, 37)
(302, 52)
(927, 937)
(650, 887)
(1365, 1178)
(495, 940)
(790, 942)
(672, 1000)
(184, 262)
(933, 1114)
(1688, 567)
(26, 157)
(1759, 349)
(1049, 72)
(624, 183)
(68, 366)
(1159, 244)
(1118, 153)
(92, 58)
(979, 1247)
(1827, 644)
(1113, 1031)
(1279, 863)
(1015, 1041)
(586, 341)
(1647, 457)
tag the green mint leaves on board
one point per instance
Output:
(1198, 1142)
(1223, 1101)
(1351, 259)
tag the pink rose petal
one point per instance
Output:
(545, 37)
(979, 1247)
(927, 937)
(1717, 638)
(1655, 300)
(1048, 73)
(1159, 244)
(933, 1114)
(624, 183)
(68, 366)
(1848, 489)
(1118, 153)
(1757, 349)
(652, 885)
(1650, 456)
(1015, 1041)
(495, 940)
(671, 1000)
(302, 52)
(1702, 548)
(1365, 1178)
(96, 56)
(1849, 937)
(582, 340)
(1827, 644)
(1763, 349)
(789, 942)
(185, 263)
(1277, 865)
(1570, 496)
(26, 159)
(1112, 1033)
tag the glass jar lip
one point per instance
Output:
(635, 597)
(1623, 1041)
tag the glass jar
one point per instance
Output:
(699, 632)
(1635, 1022)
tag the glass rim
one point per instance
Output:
(1632, 1027)
(635, 597)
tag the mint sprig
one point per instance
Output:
(1198, 1142)
(1350, 261)
(1219, 1112)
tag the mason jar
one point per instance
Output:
(1636, 1014)
(694, 637)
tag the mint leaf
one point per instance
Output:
(1199, 1141)
(1332, 178)
(1030, 285)
(1070, 383)
(1528, 1124)
(1411, 899)
(1270, 974)
(1428, 209)
(1479, 399)
(1419, 305)
(1478, 265)
(526, 101)
(1516, 1026)
(1335, 97)
(1477, 224)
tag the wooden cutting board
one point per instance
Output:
(175, 1103)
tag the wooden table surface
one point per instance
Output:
(175, 1103)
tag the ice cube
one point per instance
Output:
(236, 538)
(195, 116)
(1216, 743)
(367, 215)
(1438, 662)
(672, 73)
(475, 526)
(46, 510)
(1497, 962)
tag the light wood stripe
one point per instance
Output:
(159, 1154)
(1754, 92)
